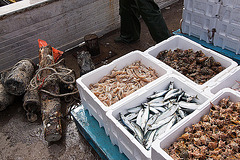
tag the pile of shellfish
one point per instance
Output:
(120, 83)
(194, 65)
(216, 136)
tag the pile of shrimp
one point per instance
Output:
(120, 83)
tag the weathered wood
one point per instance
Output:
(31, 104)
(18, 77)
(6, 99)
(92, 45)
(50, 106)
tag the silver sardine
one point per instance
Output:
(188, 105)
(159, 94)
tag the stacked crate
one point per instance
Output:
(200, 18)
(228, 26)
(213, 21)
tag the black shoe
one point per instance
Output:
(121, 40)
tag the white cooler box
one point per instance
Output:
(95, 107)
(157, 148)
(231, 3)
(229, 14)
(124, 139)
(183, 43)
(226, 82)
(205, 7)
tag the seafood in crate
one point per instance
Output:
(120, 83)
(216, 136)
(158, 114)
(210, 133)
(93, 104)
(195, 65)
(126, 141)
(184, 43)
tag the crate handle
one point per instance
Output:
(211, 36)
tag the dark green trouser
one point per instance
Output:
(130, 11)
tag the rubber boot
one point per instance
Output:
(130, 25)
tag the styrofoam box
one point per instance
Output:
(226, 82)
(184, 43)
(158, 146)
(199, 20)
(196, 31)
(95, 107)
(230, 15)
(125, 140)
(204, 7)
(228, 29)
(231, 3)
(227, 43)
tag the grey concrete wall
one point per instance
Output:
(62, 23)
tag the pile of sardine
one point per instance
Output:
(158, 114)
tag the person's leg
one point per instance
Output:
(130, 25)
(152, 16)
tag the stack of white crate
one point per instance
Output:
(228, 26)
(213, 21)
(200, 17)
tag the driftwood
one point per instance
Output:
(18, 78)
(51, 106)
(6, 99)
(31, 104)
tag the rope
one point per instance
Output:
(39, 83)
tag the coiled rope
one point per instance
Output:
(39, 83)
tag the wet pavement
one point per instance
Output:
(22, 140)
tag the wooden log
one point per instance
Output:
(6, 99)
(50, 106)
(18, 78)
(92, 45)
(31, 104)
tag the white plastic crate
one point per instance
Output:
(184, 43)
(205, 7)
(229, 15)
(231, 3)
(202, 34)
(95, 107)
(225, 82)
(228, 29)
(158, 146)
(125, 140)
(227, 43)
(199, 20)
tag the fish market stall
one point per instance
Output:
(139, 121)
(23, 133)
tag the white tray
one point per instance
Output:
(158, 146)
